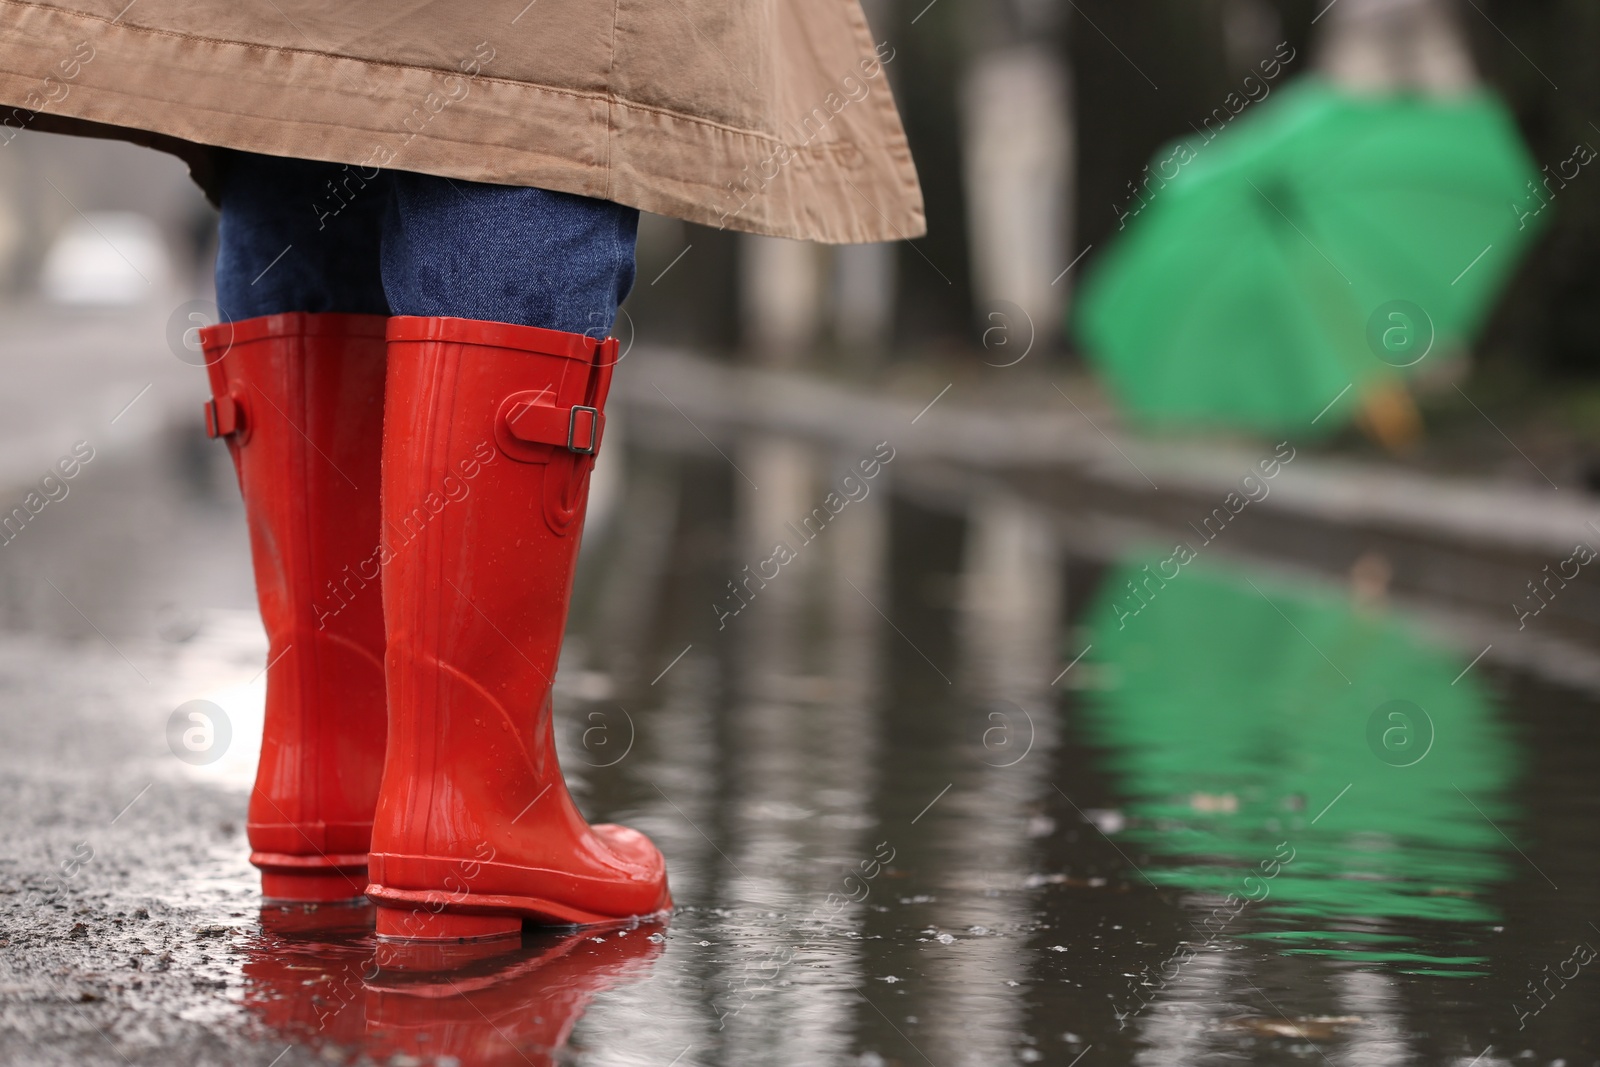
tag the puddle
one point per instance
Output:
(947, 789)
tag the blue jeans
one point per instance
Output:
(303, 236)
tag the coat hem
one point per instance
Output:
(302, 103)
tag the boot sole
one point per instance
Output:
(311, 880)
(430, 915)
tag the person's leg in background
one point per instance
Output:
(498, 373)
(297, 375)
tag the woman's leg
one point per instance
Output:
(498, 374)
(297, 375)
(495, 253)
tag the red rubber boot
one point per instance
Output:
(489, 437)
(299, 399)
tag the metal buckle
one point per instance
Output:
(594, 430)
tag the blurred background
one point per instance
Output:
(1034, 125)
(1206, 670)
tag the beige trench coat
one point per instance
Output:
(772, 116)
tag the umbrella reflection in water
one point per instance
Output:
(1304, 764)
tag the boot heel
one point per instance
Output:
(314, 886)
(422, 924)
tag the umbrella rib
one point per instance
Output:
(1301, 232)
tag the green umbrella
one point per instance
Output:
(1322, 240)
(1245, 723)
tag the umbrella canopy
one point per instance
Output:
(1323, 240)
(1239, 718)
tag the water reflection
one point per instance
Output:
(316, 976)
(803, 682)
(1303, 756)
(901, 830)
(1006, 624)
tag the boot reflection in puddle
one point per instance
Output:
(319, 977)
(303, 977)
(481, 1003)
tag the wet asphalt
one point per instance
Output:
(944, 792)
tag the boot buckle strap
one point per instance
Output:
(532, 419)
(222, 417)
